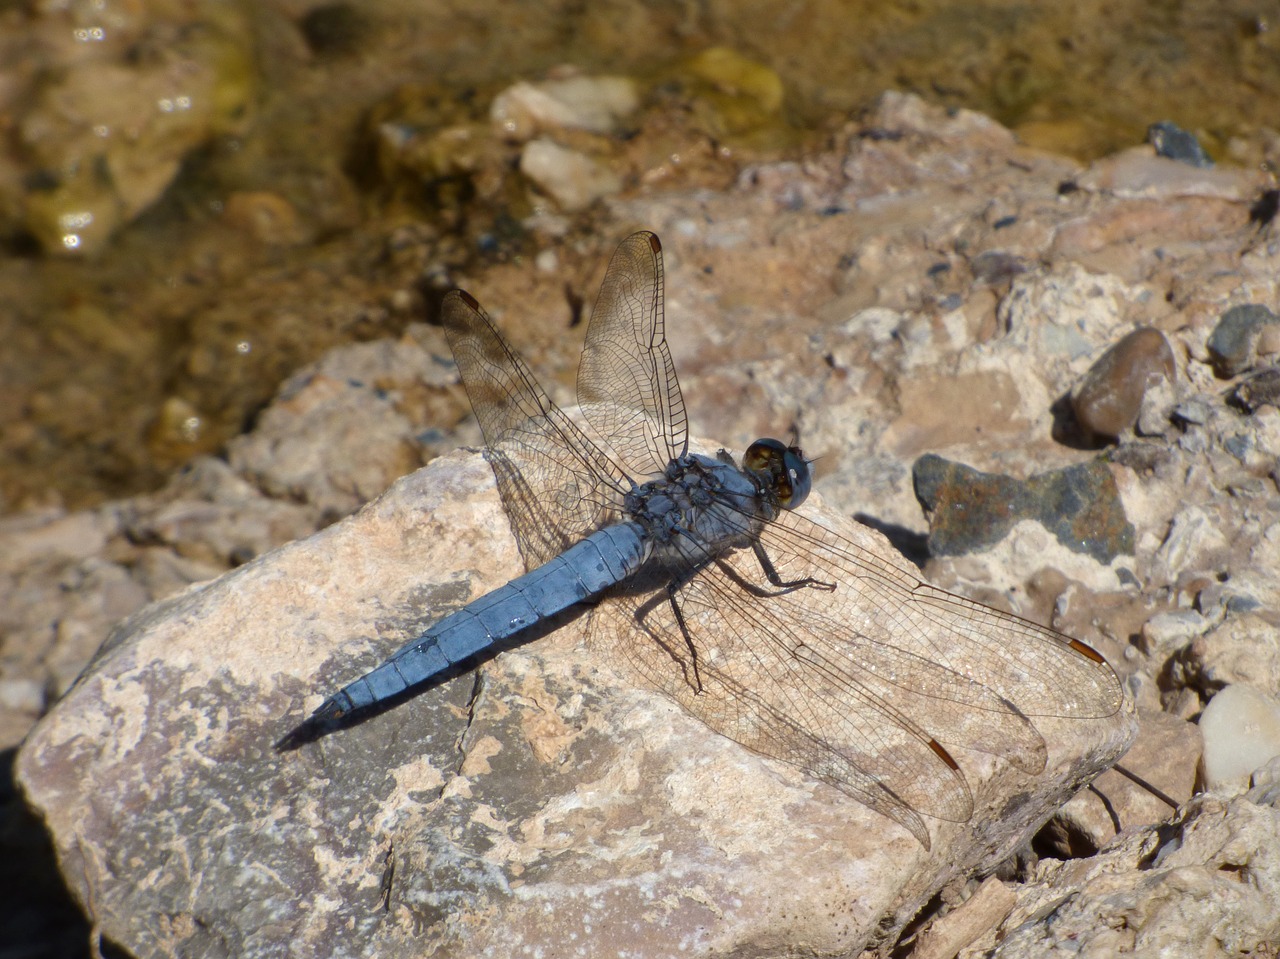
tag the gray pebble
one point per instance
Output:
(1235, 341)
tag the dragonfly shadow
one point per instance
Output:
(913, 546)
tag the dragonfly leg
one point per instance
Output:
(771, 574)
(672, 588)
(688, 664)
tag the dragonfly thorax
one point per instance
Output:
(701, 501)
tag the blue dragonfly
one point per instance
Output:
(708, 585)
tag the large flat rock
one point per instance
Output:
(541, 804)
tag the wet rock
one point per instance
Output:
(108, 132)
(1241, 728)
(1109, 398)
(969, 510)
(592, 103)
(1244, 335)
(574, 180)
(735, 94)
(264, 216)
(1175, 143)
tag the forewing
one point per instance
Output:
(627, 385)
(1038, 670)
(556, 484)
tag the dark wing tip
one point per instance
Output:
(941, 752)
(468, 299)
(1087, 651)
(654, 243)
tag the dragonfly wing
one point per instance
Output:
(556, 483)
(627, 385)
(1036, 670)
(753, 689)
(860, 685)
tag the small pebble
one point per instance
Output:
(1174, 143)
(572, 179)
(596, 104)
(1242, 333)
(1261, 389)
(1194, 411)
(1109, 398)
(1165, 633)
(1241, 729)
(996, 266)
(22, 696)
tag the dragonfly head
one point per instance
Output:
(785, 469)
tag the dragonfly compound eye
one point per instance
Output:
(786, 467)
(800, 479)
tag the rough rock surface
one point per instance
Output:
(1204, 884)
(926, 286)
(538, 804)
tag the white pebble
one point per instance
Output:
(570, 178)
(1241, 729)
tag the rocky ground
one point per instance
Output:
(1084, 357)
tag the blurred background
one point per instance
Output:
(197, 198)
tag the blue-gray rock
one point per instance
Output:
(970, 511)
(1175, 143)
(1233, 344)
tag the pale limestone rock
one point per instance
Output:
(1206, 884)
(1241, 728)
(573, 179)
(536, 803)
(594, 104)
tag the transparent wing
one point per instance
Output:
(859, 685)
(1038, 670)
(627, 384)
(557, 485)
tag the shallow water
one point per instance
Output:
(286, 231)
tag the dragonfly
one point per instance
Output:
(710, 585)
